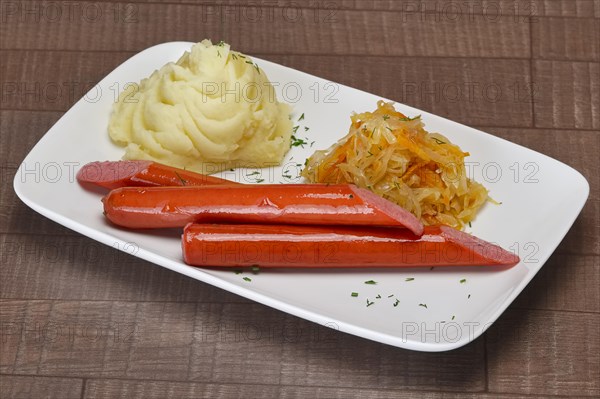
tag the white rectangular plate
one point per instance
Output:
(540, 197)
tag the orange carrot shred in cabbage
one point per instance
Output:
(395, 157)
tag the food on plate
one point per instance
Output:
(319, 246)
(343, 204)
(395, 157)
(115, 174)
(211, 110)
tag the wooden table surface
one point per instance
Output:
(81, 320)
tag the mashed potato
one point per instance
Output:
(213, 109)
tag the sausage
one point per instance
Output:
(341, 204)
(340, 246)
(115, 174)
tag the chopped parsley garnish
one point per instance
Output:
(409, 279)
(438, 140)
(255, 269)
(306, 128)
(354, 294)
(378, 296)
(424, 305)
(296, 142)
(464, 280)
(301, 117)
(469, 296)
(386, 117)
(469, 224)
(407, 119)
(253, 64)
(453, 317)
(237, 271)
(389, 296)
(253, 173)
(397, 302)
(388, 128)
(234, 56)
(260, 180)
(371, 282)
(369, 303)
(220, 44)
(247, 279)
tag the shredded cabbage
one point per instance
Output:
(396, 158)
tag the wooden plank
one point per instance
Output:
(105, 389)
(18, 218)
(101, 339)
(78, 268)
(559, 284)
(563, 8)
(471, 91)
(20, 132)
(66, 77)
(572, 39)
(579, 149)
(98, 389)
(491, 8)
(15, 216)
(567, 94)
(544, 353)
(216, 343)
(396, 35)
(26, 387)
(248, 344)
(102, 26)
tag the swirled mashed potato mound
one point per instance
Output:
(211, 110)
(395, 157)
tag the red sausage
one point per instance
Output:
(117, 174)
(328, 246)
(341, 204)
